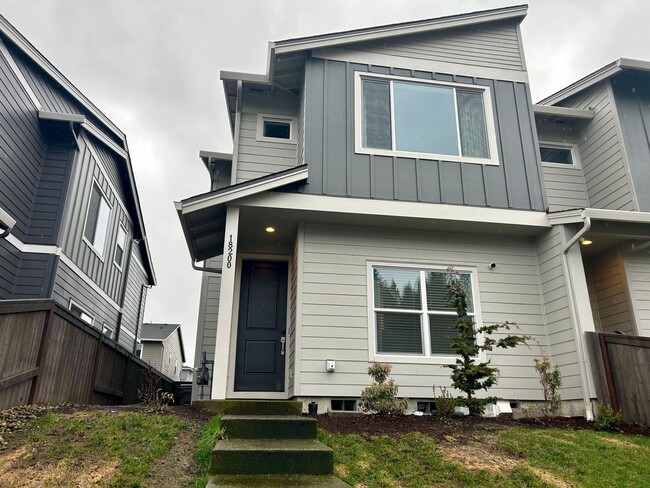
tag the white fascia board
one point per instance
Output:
(245, 77)
(583, 83)
(6, 220)
(390, 208)
(58, 117)
(32, 53)
(579, 215)
(572, 216)
(237, 193)
(108, 142)
(402, 29)
(215, 155)
(564, 112)
(638, 64)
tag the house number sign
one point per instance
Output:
(230, 248)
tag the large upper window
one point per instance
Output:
(120, 245)
(97, 220)
(431, 120)
(411, 314)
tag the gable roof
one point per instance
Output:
(10, 33)
(160, 332)
(597, 76)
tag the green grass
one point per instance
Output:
(135, 440)
(203, 452)
(584, 458)
(580, 458)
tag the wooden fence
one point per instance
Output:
(621, 366)
(47, 355)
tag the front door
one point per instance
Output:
(259, 361)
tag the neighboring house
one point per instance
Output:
(162, 348)
(187, 374)
(365, 163)
(70, 221)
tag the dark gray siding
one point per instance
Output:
(133, 301)
(335, 169)
(632, 95)
(9, 261)
(21, 150)
(36, 276)
(68, 285)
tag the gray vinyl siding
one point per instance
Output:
(51, 95)
(172, 359)
(565, 187)
(36, 276)
(260, 158)
(602, 153)
(493, 45)
(152, 354)
(69, 285)
(22, 149)
(102, 271)
(335, 305)
(293, 310)
(557, 311)
(206, 333)
(608, 285)
(637, 267)
(300, 157)
(335, 169)
(632, 96)
(9, 262)
(133, 296)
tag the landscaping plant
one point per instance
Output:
(551, 380)
(153, 397)
(445, 402)
(381, 396)
(468, 375)
(607, 418)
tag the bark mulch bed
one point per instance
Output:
(458, 428)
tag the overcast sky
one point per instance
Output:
(152, 66)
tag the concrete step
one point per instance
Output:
(235, 481)
(271, 456)
(249, 407)
(269, 427)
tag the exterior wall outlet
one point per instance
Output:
(330, 365)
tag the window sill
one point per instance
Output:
(426, 156)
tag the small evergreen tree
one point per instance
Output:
(468, 375)
(381, 396)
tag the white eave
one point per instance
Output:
(579, 215)
(563, 112)
(596, 77)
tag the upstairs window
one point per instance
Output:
(411, 314)
(271, 128)
(558, 154)
(424, 119)
(97, 220)
(120, 246)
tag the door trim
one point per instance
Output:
(255, 395)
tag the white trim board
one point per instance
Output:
(19, 75)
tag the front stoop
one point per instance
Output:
(268, 443)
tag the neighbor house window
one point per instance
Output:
(97, 220)
(411, 314)
(79, 312)
(272, 128)
(425, 119)
(555, 154)
(120, 245)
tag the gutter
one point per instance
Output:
(578, 332)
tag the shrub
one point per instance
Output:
(445, 402)
(467, 375)
(381, 396)
(551, 380)
(607, 418)
(153, 397)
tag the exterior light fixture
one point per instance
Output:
(585, 242)
(270, 229)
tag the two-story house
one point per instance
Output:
(70, 221)
(367, 162)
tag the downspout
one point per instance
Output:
(140, 313)
(206, 270)
(589, 411)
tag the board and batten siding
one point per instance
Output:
(206, 333)
(637, 267)
(565, 187)
(335, 169)
(22, 148)
(632, 96)
(101, 270)
(608, 286)
(335, 305)
(255, 158)
(134, 300)
(602, 153)
(489, 45)
(292, 318)
(557, 311)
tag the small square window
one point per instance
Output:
(271, 128)
(277, 130)
(79, 312)
(343, 405)
(557, 155)
(108, 331)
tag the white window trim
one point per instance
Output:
(489, 119)
(561, 145)
(84, 310)
(106, 327)
(100, 254)
(126, 239)
(373, 355)
(292, 121)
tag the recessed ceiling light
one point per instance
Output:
(270, 229)
(585, 242)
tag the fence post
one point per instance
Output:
(611, 387)
(93, 376)
(42, 352)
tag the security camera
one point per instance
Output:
(492, 265)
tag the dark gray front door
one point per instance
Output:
(259, 364)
